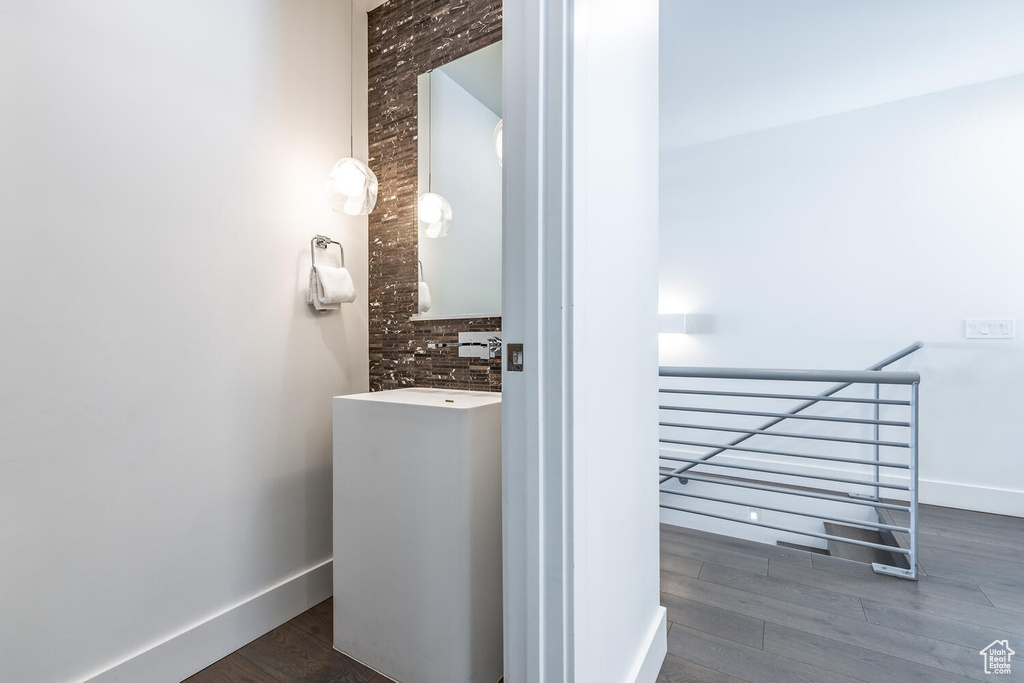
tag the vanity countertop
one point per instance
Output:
(437, 398)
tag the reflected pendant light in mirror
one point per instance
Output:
(435, 215)
(433, 211)
(498, 143)
(351, 187)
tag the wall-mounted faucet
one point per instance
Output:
(474, 345)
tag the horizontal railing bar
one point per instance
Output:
(899, 355)
(840, 480)
(817, 418)
(824, 518)
(809, 456)
(751, 394)
(812, 534)
(788, 435)
(846, 376)
(784, 491)
(828, 392)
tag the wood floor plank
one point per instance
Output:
(969, 519)
(983, 571)
(953, 530)
(942, 628)
(1010, 560)
(318, 621)
(232, 669)
(817, 598)
(844, 576)
(676, 670)
(742, 662)
(840, 565)
(1010, 549)
(981, 615)
(291, 654)
(729, 558)
(728, 543)
(956, 533)
(681, 565)
(714, 621)
(856, 662)
(1003, 599)
(884, 639)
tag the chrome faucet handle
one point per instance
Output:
(494, 346)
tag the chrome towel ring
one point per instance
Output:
(321, 242)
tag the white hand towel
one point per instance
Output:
(336, 286)
(311, 292)
(329, 287)
(424, 297)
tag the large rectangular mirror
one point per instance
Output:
(459, 178)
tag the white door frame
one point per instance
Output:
(579, 423)
(536, 311)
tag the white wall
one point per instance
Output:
(613, 272)
(165, 439)
(834, 242)
(463, 269)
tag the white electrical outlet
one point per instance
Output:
(989, 329)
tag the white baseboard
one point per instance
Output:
(649, 665)
(196, 647)
(968, 497)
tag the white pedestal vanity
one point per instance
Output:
(417, 534)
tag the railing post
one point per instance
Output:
(914, 478)
(877, 437)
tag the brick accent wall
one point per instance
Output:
(408, 38)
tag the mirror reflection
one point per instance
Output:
(459, 182)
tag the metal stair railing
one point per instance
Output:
(826, 395)
(900, 463)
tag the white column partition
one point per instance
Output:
(580, 291)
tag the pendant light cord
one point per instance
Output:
(430, 140)
(352, 80)
(430, 132)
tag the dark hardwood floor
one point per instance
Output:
(742, 611)
(299, 651)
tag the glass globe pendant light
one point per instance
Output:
(435, 215)
(351, 187)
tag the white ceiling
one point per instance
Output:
(730, 67)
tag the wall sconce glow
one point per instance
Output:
(351, 187)
(672, 323)
(435, 215)
(499, 147)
